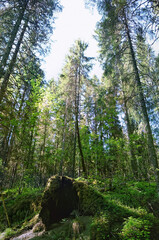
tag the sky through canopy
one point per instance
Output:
(74, 22)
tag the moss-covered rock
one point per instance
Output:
(63, 195)
(90, 201)
(59, 200)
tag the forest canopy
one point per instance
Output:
(77, 125)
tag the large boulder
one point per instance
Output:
(59, 200)
(63, 195)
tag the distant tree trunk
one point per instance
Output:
(81, 152)
(63, 141)
(77, 124)
(151, 147)
(12, 63)
(9, 140)
(96, 139)
(75, 132)
(74, 155)
(134, 165)
(42, 154)
(63, 152)
(4, 148)
(29, 156)
(13, 176)
(12, 39)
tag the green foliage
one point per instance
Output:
(64, 230)
(121, 213)
(9, 232)
(20, 207)
(134, 194)
(1, 171)
(135, 228)
(100, 228)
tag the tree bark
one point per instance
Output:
(77, 133)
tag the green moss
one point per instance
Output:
(20, 208)
(134, 194)
(59, 200)
(64, 229)
(123, 213)
(90, 201)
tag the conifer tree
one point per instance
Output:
(118, 33)
(75, 72)
(32, 24)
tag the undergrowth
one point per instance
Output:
(128, 211)
(20, 207)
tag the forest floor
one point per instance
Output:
(27, 235)
(131, 211)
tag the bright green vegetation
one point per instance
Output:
(21, 207)
(129, 211)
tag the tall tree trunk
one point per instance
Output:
(12, 39)
(151, 147)
(12, 62)
(75, 132)
(134, 164)
(77, 124)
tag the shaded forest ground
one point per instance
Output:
(130, 210)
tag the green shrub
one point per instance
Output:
(136, 229)
(100, 228)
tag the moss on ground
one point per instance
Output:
(129, 211)
(20, 207)
(90, 200)
(121, 213)
(64, 230)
